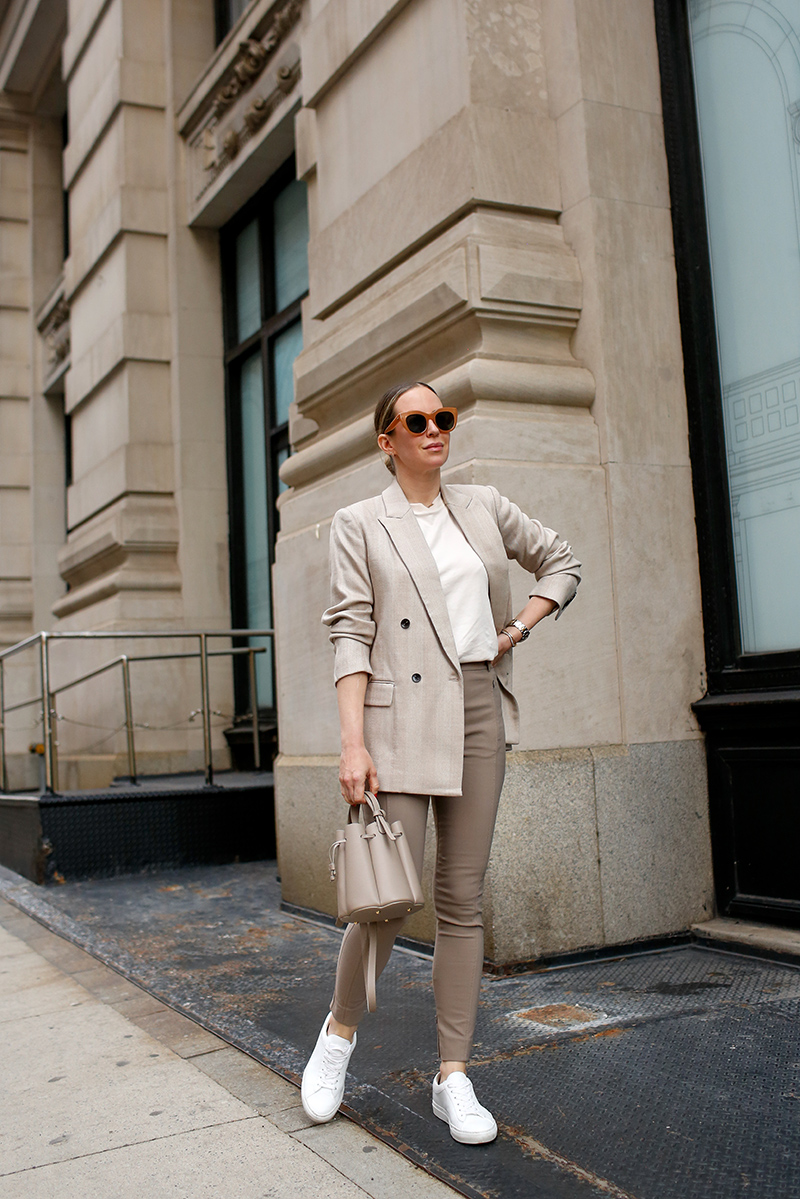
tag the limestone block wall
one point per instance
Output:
(31, 422)
(16, 592)
(124, 339)
(489, 212)
(16, 458)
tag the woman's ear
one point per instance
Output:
(384, 443)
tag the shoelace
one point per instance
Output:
(465, 1100)
(332, 1061)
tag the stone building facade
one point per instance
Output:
(224, 230)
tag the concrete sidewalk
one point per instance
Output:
(108, 1092)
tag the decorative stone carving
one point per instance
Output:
(56, 334)
(246, 69)
(230, 144)
(54, 329)
(287, 77)
(284, 20)
(240, 100)
(263, 107)
(253, 56)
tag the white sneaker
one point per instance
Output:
(454, 1101)
(323, 1077)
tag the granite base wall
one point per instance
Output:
(593, 847)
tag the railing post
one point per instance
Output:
(54, 736)
(126, 690)
(206, 708)
(48, 738)
(3, 768)
(251, 661)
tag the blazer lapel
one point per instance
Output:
(401, 525)
(483, 535)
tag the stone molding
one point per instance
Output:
(236, 102)
(470, 162)
(130, 546)
(485, 313)
(13, 137)
(132, 337)
(32, 35)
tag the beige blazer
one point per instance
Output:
(388, 617)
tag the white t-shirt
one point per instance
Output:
(464, 581)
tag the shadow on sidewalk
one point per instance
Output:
(662, 1074)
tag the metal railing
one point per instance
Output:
(46, 699)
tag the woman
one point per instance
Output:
(421, 622)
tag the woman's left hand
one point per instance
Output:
(537, 607)
(503, 646)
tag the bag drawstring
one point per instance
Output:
(369, 954)
(332, 859)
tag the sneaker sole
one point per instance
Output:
(313, 1115)
(464, 1138)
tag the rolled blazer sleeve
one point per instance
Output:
(539, 551)
(350, 617)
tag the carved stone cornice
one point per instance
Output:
(253, 56)
(244, 72)
(238, 100)
(53, 324)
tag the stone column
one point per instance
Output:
(146, 511)
(650, 784)
(16, 592)
(121, 557)
(16, 546)
(449, 244)
(49, 356)
(436, 253)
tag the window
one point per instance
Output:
(730, 74)
(265, 271)
(227, 13)
(746, 66)
(731, 88)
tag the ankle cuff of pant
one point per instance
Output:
(452, 1051)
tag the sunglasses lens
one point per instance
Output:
(416, 422)
(445, 421)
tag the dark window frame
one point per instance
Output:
(259, 207)
(729, 669)
(222, 19)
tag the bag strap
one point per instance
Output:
(357, 814)
(369, 955)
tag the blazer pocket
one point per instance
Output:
(379, 694)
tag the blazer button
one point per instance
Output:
(405, 623)
(416, 678)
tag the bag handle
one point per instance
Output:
(357, 814)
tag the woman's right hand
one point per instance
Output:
(356, 773)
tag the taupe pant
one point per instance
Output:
(464, 828)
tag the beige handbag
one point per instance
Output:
(375, 876)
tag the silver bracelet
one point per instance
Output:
(510, 638)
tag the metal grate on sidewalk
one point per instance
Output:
(664, 1075)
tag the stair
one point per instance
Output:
(174, 820)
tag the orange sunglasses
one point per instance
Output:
(417, 422)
